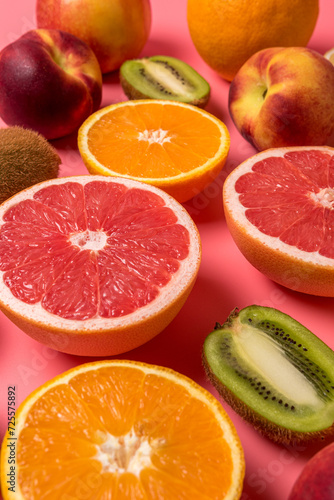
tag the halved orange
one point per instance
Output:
(279, 207)
(122, 430)
(174, 146)
(95, 265)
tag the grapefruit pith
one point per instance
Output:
(279, 207)
(95, 265)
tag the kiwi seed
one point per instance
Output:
(274, 372)
(26, 158)
(163, 77)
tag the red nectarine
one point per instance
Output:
(316, 481)
(50, 81)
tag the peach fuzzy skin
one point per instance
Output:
(116, 30)
(50, 81)
(284, 97)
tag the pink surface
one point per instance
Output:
(226, 279)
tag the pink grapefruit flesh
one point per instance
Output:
(85, 255)
(279, 207)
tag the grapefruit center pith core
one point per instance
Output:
(325, 197)
(101, 249)
(89, 240)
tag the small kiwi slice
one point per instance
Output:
(26, 158)
(274, 373)
(163, 77)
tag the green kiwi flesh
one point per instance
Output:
(26, 158)
(274, 372)
(163, 77)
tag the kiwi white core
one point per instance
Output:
(128, 453)
(160, 73)
(266, 358)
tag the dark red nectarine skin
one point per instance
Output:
(37, 93)
(316, 481)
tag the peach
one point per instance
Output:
(316, 481)
(116, 30)
(50, 81)
(284, 97)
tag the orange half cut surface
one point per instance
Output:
(123, 430)
(174, 146)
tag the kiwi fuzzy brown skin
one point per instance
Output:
(26, 158)
(270, 429)
(133, 90)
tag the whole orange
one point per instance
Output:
(227, 32)
(116, 30)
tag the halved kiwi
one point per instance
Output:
(163, 77)
(274, 373)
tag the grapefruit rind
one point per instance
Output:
(195, 390)
(106, 336)
(183, 186)
(307, 272)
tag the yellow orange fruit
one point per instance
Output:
(125, 430)
(172, 145)
(279, 207)
(95, 266)
(227, 32)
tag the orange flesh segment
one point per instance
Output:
(47, 256)
(148, 142)
(292, 198)
(189, 456)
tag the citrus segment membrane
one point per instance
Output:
(274, 372)
(292, 198)
(112, 249)
(127, 430)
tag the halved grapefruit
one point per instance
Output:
(122, 430)
(95, 265)
(279, 207)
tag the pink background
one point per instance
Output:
(225, 280)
